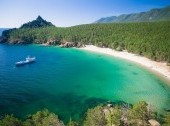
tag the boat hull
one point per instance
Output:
(24, 63)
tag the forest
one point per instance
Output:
(149, 39)
(140, 114)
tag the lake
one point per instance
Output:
(68, 81)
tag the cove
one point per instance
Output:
(69, 81)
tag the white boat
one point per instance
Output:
(26, 61)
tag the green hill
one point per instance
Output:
(39, 22)
(152, 15)
(150, 39)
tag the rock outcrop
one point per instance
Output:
(53, 42)
(1, 39)
(66, 44)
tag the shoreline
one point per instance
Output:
(159, 67)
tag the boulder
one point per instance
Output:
(153, 122)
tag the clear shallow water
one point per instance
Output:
(68, 81)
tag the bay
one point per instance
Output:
(69, 81)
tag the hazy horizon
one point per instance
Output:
(65, 13)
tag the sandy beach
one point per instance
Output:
(159, 67)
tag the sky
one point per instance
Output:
(64, 13)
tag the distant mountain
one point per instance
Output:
(2, 29)
(152, 15)
(39, 22)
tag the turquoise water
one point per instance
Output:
(68, 81)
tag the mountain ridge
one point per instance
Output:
(157, 14)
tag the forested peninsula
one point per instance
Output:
(149, 39)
